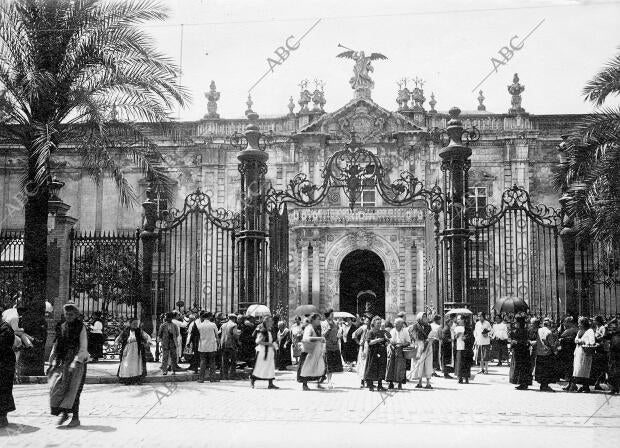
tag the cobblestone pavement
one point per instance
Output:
(230, 414)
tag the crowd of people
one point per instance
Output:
(583, 353)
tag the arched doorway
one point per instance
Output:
(362, 270)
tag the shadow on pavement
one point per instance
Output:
(15, 429)
(90, 428)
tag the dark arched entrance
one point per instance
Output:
(362, 270)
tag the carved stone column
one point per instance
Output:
(305, 266)
(419, 284)
(408, 308)
(316, 274)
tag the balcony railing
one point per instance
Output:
(342, 216)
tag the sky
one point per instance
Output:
(449, 44)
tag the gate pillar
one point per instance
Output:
(148, 237)
(568, 237)
(252, 238)
(455, 163)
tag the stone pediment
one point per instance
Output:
(369, 121)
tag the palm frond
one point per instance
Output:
(605, 83)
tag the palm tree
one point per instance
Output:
(69, 69)
(590, 171)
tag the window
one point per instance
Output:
(367, 198)
(477, 200)
(162, 203)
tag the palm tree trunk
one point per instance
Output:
(35, 280)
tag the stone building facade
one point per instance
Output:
(516, 147)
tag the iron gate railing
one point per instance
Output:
(11, 267)
(598, 280)
(104, 274)
(194, 268)
(279, 261)
(514, 251)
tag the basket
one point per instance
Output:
(409, 352)
(589, 349)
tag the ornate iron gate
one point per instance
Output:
(279, 261)
(513, 251)
(104, 274)
(598, 280)
(194, 268)
(11, 266)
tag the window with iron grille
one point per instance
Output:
(368, 196)
(477, 200)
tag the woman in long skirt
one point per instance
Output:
(68, 367)
(583, 361)
(312, 365)
(96, 337)
(614, 359)
(349, 346)
(7, 372)
(598, 373)
(520, 362)
(284, 346)
(134, 343)
(297, 334)
(359, 336)
(376, 354)
(396, 371)
(445, 348)
(566, 351)
(423, 365)
(333, 357)
(464, 336)
(264, 364)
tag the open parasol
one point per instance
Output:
(258, 311)
(511, 304)
(464, 311)
(343, 315)
(303, 310)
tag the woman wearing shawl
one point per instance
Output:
(312, 363)
(376, 354)
(396, 365)
(423, 365)
(264, 364)
(582, 363)
(67, 367)
(520, 362)
(546, 361)
(566, 351)
(349, 346)
(359, 336)
(134, 343)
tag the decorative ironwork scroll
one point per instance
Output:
(352, 169)
(201, 203)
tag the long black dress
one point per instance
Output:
(376, 359)
(350, 347)
(7, 368)
(520, 362)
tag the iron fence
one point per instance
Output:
(11, 266)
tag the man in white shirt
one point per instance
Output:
(208, 345)
(499, 337)
(482, 334)
(434, 337)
